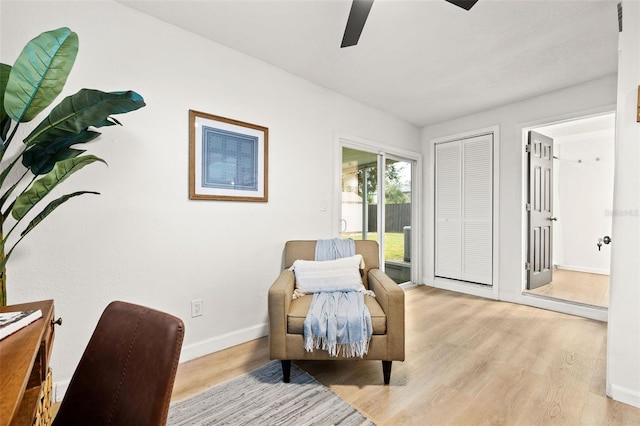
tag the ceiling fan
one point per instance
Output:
(360, 10)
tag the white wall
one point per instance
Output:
(577, 101)
(623, 339)
(584, 178)
(143, 240)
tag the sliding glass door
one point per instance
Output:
(377, 205)
(397, 219)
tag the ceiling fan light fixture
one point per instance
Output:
(360, 11)
(355, 23)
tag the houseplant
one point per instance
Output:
(49, 153)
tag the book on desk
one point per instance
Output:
(10, 322)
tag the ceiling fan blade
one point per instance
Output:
(465, 4)
(355, 23)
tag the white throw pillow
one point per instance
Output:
(328, 275)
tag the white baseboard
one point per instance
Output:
(584, 269)
(624, 395)
(473, 289)
(597, 313)
(194, 350)
(218, 343)
(59, 389)
(406, 286)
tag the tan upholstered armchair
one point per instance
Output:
(286, 316)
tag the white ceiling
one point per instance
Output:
(424, 61)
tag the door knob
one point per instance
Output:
(606, 240)
(553, 219)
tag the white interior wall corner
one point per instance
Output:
(623, 340)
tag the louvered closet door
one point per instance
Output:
(477, 232)
(448, 232)
(464, 210)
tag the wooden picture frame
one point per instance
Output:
(228, 159)
(638, 116)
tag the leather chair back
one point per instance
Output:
(127, 371)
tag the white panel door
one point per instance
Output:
(464, 209)
(541, 210)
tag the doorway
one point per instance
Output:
(377, 204)
(580, 215)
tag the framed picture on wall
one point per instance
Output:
(227, 159)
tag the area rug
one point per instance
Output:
(261, 398)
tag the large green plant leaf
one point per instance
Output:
(50, 208)
(4, 78)
(79, 111)
(40, 158)
(39, 73)
(3, 175)
(5, 125)
(5, 120)
(43, 186)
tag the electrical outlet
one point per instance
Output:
(196, 308)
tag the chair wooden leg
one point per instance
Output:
(386, 371)
(286, 370)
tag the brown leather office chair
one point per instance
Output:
(126, 374)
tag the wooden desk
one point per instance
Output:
(24, 365)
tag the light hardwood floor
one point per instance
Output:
(469, 361)
(581, 287)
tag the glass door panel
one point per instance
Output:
(376, 205)
(397, 219)
(359, 195)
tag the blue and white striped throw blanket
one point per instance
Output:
(338, 322)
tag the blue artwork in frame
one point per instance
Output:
(227, 159)
(230, 160)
